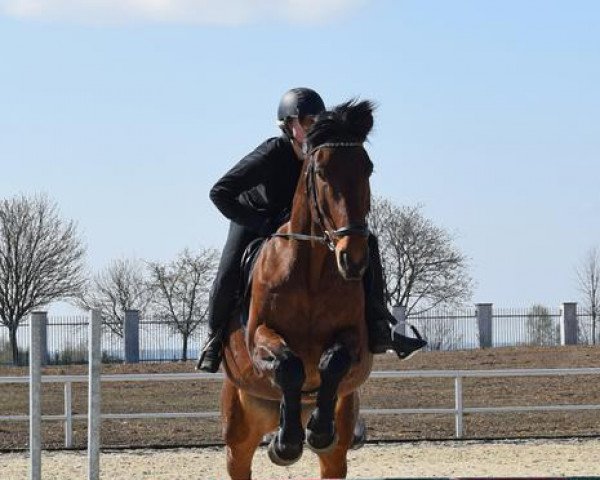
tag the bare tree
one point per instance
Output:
(41, 260)
(422, 267)
(542, 330)
(182, 290)
(121, 286)
(588, 279)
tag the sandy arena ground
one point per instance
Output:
(574, 457)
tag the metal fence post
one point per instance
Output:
(568, 324)
(94, 421)
(35, 395)
(484, 323)
(131, 336)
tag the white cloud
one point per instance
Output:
(195, 12)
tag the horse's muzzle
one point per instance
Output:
(349, 269)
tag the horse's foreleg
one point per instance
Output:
(241, 433)
(288, 373)
(335, 363)
(334, 463)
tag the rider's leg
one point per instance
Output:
(223, 295)
(378, 316)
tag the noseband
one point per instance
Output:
(329, 235)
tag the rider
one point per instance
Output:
(256, 195)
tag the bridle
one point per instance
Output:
(329, 235)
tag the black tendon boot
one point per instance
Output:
(212, 353)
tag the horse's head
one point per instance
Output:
(338, 174)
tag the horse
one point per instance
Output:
(297, 366)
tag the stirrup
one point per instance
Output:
(411, 345)
(408, 350)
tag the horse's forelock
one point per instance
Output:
(357, 117)
(350, 121)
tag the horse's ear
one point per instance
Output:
(358, 117)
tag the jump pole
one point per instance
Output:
(94, 399)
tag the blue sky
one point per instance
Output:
(489, 116)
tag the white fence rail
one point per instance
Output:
(459, 410)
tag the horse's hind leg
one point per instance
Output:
(334, 463)
(241, 433)
(320, 431)
(272, 353)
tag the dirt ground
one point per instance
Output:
(535, 459)
(190, 396)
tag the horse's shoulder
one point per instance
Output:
(275, 261)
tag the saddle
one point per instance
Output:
(247, 267)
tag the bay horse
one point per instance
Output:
(297, 365)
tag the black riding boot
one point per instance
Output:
(224, 296)
(381, 336)
(379, 319)
(212, 353)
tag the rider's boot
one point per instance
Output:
(379, 320)
(212, 353)
(224, 296)
(381, 336)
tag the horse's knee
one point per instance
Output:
(335, 363)
(289, 371)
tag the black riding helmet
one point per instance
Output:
(297, 103)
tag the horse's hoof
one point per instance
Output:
(360, 434)
(321, 442)
(285, 455)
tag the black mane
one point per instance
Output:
(349, 122)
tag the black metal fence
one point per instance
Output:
(448, 329)
(159, 341)
(458, 329)
(588, 326)
(67, 339)
(526, 326)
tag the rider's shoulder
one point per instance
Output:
(277, 143)
(274, 147)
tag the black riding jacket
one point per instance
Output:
(260, 187)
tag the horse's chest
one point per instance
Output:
(291, 293)
(315, 308)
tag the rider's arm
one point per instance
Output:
(249, 172)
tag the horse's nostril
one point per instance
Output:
(345, 260)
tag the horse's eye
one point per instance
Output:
(320, 173)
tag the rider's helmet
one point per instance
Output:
(298, 103)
